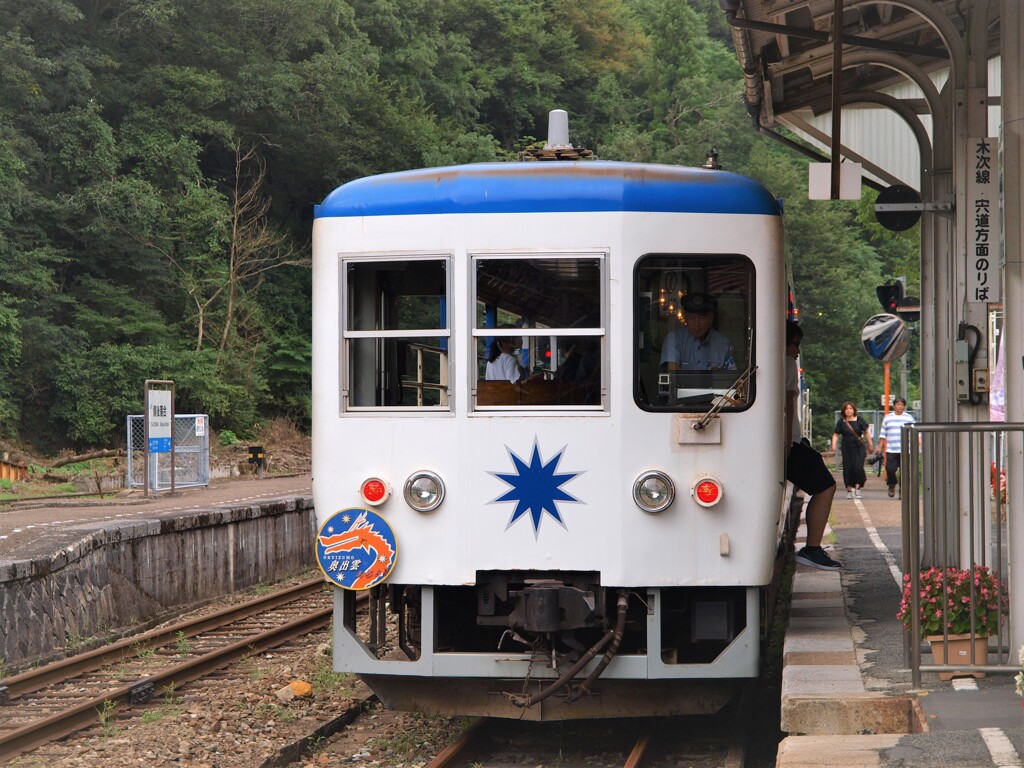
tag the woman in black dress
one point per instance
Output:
(855, 444)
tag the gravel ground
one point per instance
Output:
(382, 738)
(243, 717)
(234, 719)
(240, 719)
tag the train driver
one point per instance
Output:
(697, 346)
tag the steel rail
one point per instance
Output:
(41, 677)
(459, 751)
(42, 731)
(637, 757)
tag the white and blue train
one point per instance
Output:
(594, 533)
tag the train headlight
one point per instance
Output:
(707, 491)
(424, 491)
(375, 491)
(654, 491)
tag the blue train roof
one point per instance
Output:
(552, 187)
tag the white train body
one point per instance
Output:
(502, 587)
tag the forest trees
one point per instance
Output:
(159, 162)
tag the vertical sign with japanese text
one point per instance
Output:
(159, 420)
(983, 224)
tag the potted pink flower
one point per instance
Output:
(1018, 679)
(946, 598)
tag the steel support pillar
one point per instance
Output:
(1012, 134)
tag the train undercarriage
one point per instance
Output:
(553, 645)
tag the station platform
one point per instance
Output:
(847, 695)
(93, 569)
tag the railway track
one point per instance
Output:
(637, 743)
(49, 702)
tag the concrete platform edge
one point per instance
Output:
(78, 546)
(826, 709)
(87, 582)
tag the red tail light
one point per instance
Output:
(707, 491)
(375, 491)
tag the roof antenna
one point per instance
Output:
(558, 146)
(558, 130)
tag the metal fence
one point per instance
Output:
(191, 454)
(955, 546)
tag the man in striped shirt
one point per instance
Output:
(890, 442)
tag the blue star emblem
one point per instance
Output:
(535, 487)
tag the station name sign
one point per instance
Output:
(983, 221)
(159, 416)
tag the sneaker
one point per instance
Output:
(856, 494)
(892, 491)
(849, 494)
(815, 557)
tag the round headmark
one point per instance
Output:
(356, 549)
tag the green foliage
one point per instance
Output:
(834, 273)
(183, 644)
(96, 388)
(684, 96)
(227, 437)
(106, 717)
(288, 371)
(145, 653)
(142, 144)
(328, 681)
(265, 710)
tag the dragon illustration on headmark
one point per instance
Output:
(361, 536)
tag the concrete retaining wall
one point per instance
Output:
(130, 572)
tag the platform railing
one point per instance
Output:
(954, 508)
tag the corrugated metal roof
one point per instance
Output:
(787, 53)
(883, 136)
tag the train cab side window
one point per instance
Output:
(694, 331)
(538, 338)
(395, 333)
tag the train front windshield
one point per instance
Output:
(539, 332)
(694, 332)
(540, 336)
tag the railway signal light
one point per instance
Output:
(889, 295)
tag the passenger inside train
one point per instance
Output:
(554, 304)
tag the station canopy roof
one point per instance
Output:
(785, 47)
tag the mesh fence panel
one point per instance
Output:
(191, 454)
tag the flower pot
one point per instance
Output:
(958, 651)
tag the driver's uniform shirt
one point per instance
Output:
(713, 352)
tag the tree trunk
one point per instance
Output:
(86, 456)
